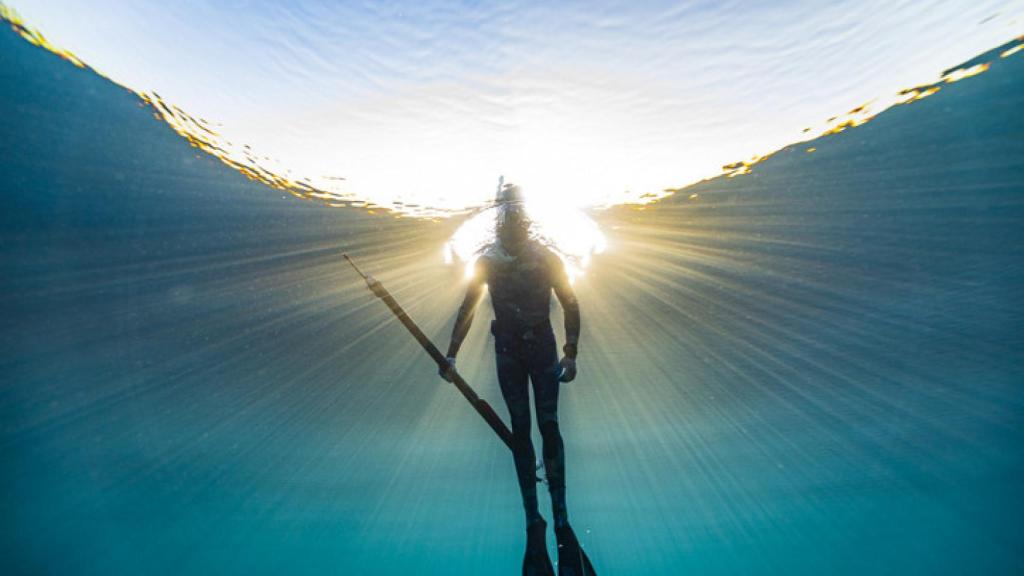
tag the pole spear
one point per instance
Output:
(479, 404)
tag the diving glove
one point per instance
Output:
(446, 371)
(567, 369)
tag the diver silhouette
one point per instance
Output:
(520, 274)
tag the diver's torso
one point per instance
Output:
(520, 287)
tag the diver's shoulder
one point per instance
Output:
(544, 252)
(490, 253)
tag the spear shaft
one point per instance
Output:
(479, 404)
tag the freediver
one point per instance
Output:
(520, 274)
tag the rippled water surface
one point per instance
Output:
(419, 106)
(812, 365)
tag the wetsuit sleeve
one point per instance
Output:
(570, 307)
(464, 319)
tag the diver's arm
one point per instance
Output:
(570, 307)
(464, 319)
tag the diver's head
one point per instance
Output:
(513, 224)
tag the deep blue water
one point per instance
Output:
(815, 368)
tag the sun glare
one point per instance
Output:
(569, 232)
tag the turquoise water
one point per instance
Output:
(815, 368)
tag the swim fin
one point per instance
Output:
(572, 561)
(536, 561)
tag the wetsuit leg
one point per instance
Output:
(512, 376)
(544, 376)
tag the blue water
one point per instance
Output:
(815, 368)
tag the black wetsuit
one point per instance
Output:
(520, 289)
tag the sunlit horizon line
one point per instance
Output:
(200, 134)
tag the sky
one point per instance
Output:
(586, 104)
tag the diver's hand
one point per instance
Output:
(446, 371)
(567, 369)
